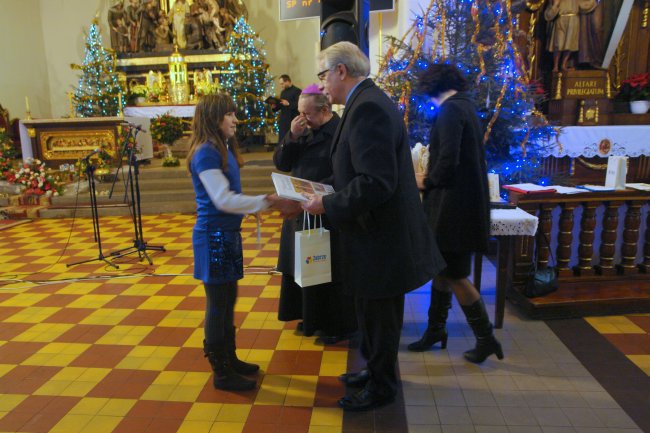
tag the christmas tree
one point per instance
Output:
(248, 80)
(99, 90)
(477, 37)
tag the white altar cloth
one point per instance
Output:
(601, 141)
(512, 222)
(152, 111)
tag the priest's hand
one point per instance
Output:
(315, 205)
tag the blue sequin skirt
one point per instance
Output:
(218, 256)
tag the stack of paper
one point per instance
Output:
(529, 188)
(596, 188)
(639, 186)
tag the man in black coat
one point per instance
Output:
(305, 152)
(288, 105)
(387, 248)
(457, 204)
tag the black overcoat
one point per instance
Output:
(308, 157)
(387, 247)
(456, 198)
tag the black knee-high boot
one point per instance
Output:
(436, 329)
(486, 343)
(238, 365)
(225, 377)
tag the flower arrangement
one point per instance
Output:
(170, 161)
(137, 91)
(36, 179)
(165, 128)
(636, 88)
(7, 154)
(103, 160)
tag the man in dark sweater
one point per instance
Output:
(288, 106)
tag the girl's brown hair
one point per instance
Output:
(210, 112)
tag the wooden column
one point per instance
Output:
(544, 235)
(564, 240)
(608, 239)
(586, 248)
(630, 237)
(645, 265)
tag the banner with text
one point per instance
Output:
(299, 9)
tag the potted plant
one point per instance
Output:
(165, 129)
(137, 94)
(636, 90)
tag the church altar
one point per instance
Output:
(65, 140)
(600, 141)
(151, 111)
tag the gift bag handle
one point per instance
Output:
(307, 223)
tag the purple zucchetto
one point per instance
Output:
(312, 89)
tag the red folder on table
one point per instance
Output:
(529, 188)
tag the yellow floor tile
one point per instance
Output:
(205, 412)
(227, 427)
(9, 401)
(235, 413)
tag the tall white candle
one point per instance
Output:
(27, 103)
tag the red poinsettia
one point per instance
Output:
(636, 87)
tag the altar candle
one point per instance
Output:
(119, 99)
(27, 103)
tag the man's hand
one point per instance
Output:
(287, 208)
(315, 205)
(284, 102)
(298, 126)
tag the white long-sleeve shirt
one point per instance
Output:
(218, 188)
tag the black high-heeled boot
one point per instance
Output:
(486, 343)
(241, 367)
(225, 377)
(436, 330)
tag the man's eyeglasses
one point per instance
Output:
(322, 74)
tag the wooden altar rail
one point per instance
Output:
(602, 286)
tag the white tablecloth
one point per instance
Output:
(512, 222)
(602, 141)
(152, 111)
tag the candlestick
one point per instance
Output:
(119, 111)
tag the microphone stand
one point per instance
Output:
(90, 174)
(140, 246)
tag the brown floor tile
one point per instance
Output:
(15, 352)
(188, 359)
(60, 405)
(249, 291)
(6, 312)
(267, 339)
(101, 356)
(167, 337)
(69, 315)
(88, 334)
(111, 289)
(642, 322)
(56, 300)
(266, 304)
(34, 403)
(265, 414)
(144, 318)
(133, 425)
(631, 344)
(124, 384)
(163, 426)
(193, 303)
(328, 391)
(296, 416)
(15, 420)
(10, 330)
(130, 302)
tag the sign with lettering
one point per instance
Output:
(299, 9)
(580, 85)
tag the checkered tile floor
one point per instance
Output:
(95, 349)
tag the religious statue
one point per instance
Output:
(149, 20)
(133, 22)
(163, 42)
(178, 15)
(115, 13)
(564, 28)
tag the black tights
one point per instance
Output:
(219, 311)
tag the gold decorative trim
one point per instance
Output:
(31, 132)
(61, 145)
(600, 167)
(164, 60)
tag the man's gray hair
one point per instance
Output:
(319, 100)
(357, 64)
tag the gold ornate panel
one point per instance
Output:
(71, 145)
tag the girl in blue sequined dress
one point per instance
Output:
(214, 162)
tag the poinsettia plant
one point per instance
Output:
(636, 87)
(7, 154)
(35, 178)
(165, 128)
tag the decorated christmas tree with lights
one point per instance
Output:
(247, 80)
(477, 37)
(99, 91)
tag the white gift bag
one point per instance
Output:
(313, 261)
(616, 172)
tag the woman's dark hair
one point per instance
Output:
(440, 77)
